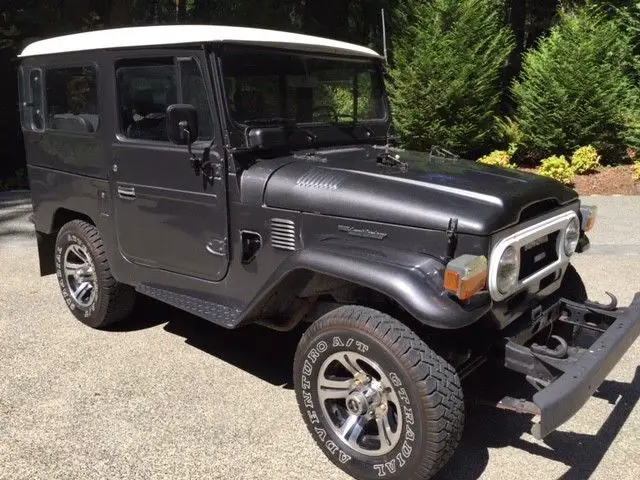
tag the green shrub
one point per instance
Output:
(509, 132)
(498, 158)
(446, 84)
(557, 168)
(576, 87)
(585, 160)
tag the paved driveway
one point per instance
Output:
(167, 395)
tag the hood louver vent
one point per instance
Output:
(321, 179)
(283, 234)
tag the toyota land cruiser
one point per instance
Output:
(250, 176)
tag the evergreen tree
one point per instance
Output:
(576, 88)
(446, 80)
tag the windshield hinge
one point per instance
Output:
(452, 239)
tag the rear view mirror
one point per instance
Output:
(182, 124)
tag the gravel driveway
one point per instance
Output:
(167, 395)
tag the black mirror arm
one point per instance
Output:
(196, 163)
(208, 167)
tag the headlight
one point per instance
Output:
(571, 237)
(508, 270)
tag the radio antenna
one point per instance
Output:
(384, 36)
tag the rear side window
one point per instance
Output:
(146, 88)
(72, 99)
(31, 99)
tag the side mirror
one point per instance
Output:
(267, 137)
(182, 124)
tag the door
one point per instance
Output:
(167, 216)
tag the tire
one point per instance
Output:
(572, 287)
(79, 248)
(423, 402)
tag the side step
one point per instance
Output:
(222, 315)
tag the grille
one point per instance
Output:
(283, 234)
(538, 254)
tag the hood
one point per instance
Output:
(351, 184)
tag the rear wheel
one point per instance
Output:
(92, 293)
(377, 400)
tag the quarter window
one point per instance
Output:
(31, 111)
(72, 99)
(146, 89)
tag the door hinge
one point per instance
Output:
(217, 247)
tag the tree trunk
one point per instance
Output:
(181, 11)
(542, 14)
(518, 21)
(517, 18)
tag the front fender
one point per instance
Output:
(411, 279)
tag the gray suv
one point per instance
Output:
(250, 176)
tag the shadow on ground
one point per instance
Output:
(490, 428)
(15, 214)
(268, 355)
(262, 352)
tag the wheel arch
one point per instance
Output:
(413, 281)
(46, 237)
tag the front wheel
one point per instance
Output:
(377, 400)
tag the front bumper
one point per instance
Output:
(582, 369)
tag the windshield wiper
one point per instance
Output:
(286, 123)
(438, 151)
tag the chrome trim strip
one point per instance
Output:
(523, 237)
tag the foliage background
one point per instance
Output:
(446, 76)
(525, 21)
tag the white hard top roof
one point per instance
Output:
(185, 34)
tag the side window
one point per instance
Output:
(31, 111)
(72, 99)
(194, 92)
(145, 90)
(144, 93)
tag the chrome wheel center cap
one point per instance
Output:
(357, 403)
(363, 400)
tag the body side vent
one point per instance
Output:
(283, 234)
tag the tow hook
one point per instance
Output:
(560, 351)
(612, 305)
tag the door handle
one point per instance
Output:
(127, 193)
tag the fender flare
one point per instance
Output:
(413, 280)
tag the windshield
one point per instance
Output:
(307, 89)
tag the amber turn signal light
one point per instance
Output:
(466, 275)
(589, 214)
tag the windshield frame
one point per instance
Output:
(234, 127)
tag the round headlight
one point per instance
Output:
(508, 270)
(571, 237)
